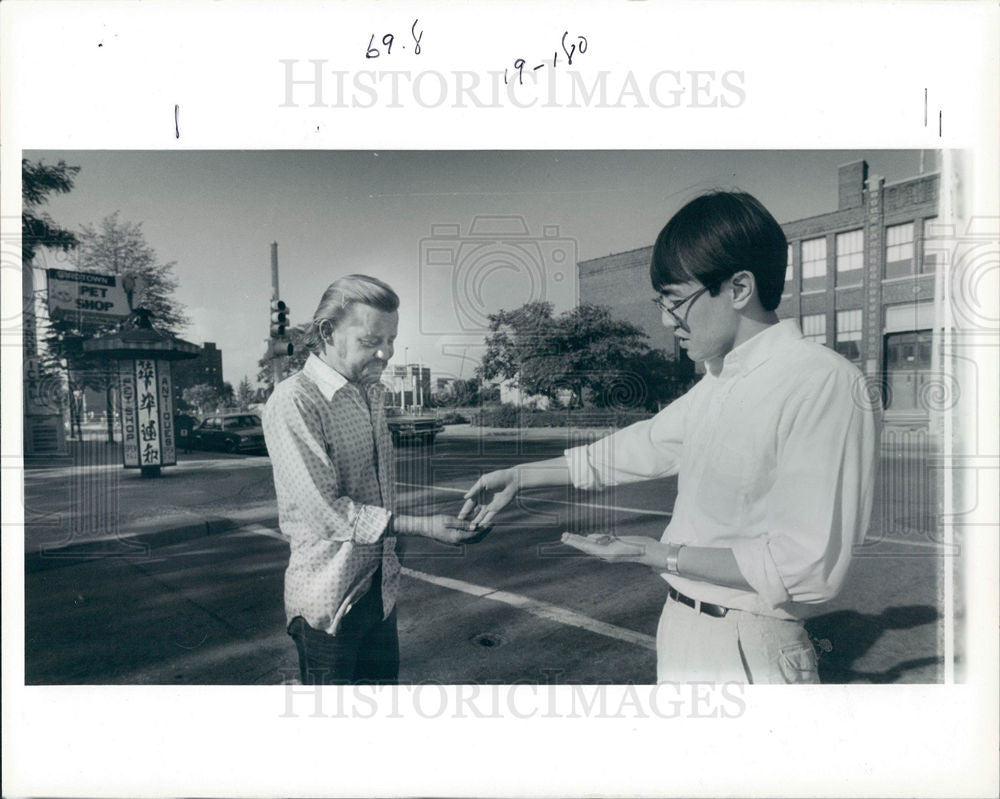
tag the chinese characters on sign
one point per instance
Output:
(147, 414)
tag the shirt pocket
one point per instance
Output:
(725, 480)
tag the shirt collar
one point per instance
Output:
(757, 349)
(327, 379)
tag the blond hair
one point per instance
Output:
(337, 301)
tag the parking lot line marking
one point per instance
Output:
(260, 529)
(643, 511)
(878, 539)
(542, 610)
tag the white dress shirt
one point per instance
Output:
(775, 457)
(334, 475)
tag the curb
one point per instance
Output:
(139, 545)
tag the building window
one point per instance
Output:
(849, 334)
(814, 265)
(850, 258)
(907, 370)
(789, 272)
(899, 250)
(814, 327)
(931, 248)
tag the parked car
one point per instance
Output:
(230, 432)
(412, 426)
(184, 425)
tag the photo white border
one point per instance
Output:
(816, 76)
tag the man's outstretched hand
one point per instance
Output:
(440, 526)
(490, 494)
(452, 530)
(609, 547)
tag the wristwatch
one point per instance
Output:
(673, 550)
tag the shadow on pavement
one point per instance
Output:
(845, 636)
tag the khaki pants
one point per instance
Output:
(740, 647)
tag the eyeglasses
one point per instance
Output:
(671, 309)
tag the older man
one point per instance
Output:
(334, 474)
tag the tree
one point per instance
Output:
(38, 181)
(594, 350)
(244, 394)
(38, 231)
(116, 247)
(203, 396)
(585, 351)
(645, 379)
(520, 346)
(120, 248)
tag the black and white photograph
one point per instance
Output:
(334, 425)
(182, 526)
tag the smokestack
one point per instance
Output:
(274, 270)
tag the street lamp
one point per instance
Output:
(406, 373)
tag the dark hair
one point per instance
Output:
(717, 235)
(337, 301)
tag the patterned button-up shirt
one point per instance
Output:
(334, 475)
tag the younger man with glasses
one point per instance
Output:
(773, 449)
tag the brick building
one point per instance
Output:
(860, 279)
(206, 368)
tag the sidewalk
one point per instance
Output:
(86, 504)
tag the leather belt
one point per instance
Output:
(715, 611)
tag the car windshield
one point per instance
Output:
(245, 421)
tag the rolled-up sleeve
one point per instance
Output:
(306, 478)
(820, 503)
(645, 450)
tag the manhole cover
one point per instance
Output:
(487, 640)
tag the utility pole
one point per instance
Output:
(276, 363)
(278, 347)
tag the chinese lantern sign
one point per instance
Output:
(147, 414)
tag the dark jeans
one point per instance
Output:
(364, 650)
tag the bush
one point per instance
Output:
(512, 416)
(452, 417)
(505, 415)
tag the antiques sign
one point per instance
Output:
(147, 414)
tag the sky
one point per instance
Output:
(410, 218)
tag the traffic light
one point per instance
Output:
(279, 348)
(279, 318)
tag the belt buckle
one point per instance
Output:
(697, 606)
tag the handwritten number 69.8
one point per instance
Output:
(388, 39)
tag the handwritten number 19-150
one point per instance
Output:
(389, 39)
